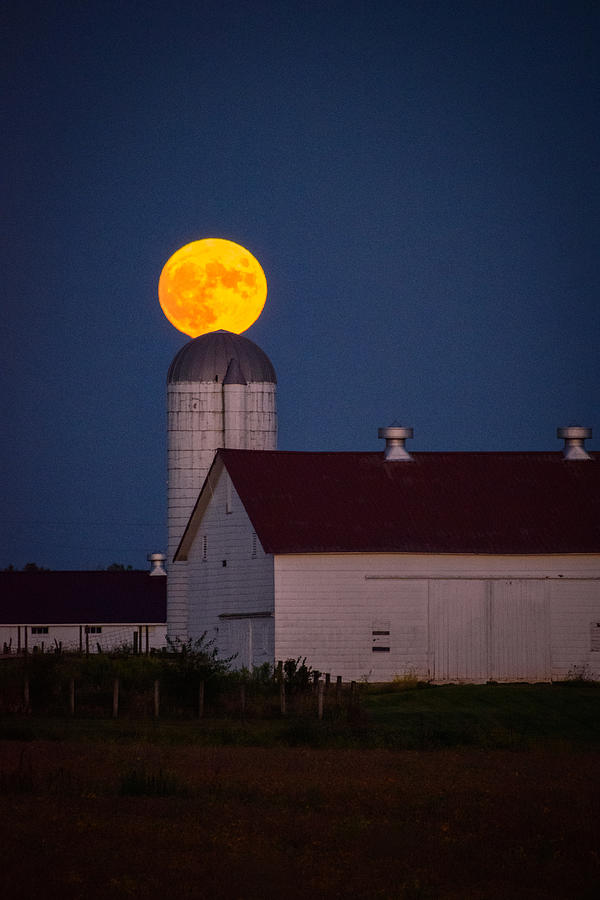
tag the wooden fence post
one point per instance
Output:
(352, 693)
(200, 699)
(115, 710)
(338, 688)
(320, 699)
(327, 681)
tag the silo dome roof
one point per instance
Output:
(207, 358)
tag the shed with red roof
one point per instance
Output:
(78, 610)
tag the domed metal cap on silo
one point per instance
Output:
(207, 358)
(574, 437)
(395, 437)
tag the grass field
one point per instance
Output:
(458, 792)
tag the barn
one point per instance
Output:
(463, 566)
(83, 611)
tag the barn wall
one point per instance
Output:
(446, 618)
(233, 603)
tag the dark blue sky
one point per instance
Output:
(419, 181)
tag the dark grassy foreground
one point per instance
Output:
(454, 792)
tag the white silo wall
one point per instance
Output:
(234, 415)
(261, 417)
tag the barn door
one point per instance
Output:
(249, 639)
(458, 630)
(519, 631)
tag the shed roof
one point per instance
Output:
(498, 503)
(58, 598)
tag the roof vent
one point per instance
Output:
(156, 560)
(574, 437)
(395, 436)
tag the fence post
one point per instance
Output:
(352, 693)
(327, 681)
(338, 688)
(72, 697)
(156, 698)
(115, 710)
(320, 699)
(200, 699)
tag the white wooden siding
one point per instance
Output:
(574, 608)
(230, 601)
(451, 618)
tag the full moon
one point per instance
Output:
(210, 285)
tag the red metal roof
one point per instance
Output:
(55, 598)
(517, 503)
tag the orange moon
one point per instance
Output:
(210, 285)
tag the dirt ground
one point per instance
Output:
(98, 820)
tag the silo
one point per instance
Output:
(220, 393)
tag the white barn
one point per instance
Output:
(446, 566)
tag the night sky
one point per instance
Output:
(419, 181)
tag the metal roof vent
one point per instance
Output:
(574, 437)
(156, 560)
(395, 436)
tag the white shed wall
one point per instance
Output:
(448, 618)
(72, 637)
(233, 603)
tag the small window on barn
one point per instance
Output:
(254, 551)
(204, 547)
(39, 629)
(595, 636)
(94, 629)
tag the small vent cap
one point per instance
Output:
(574, 437)
(157, 561)
(395, 437)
